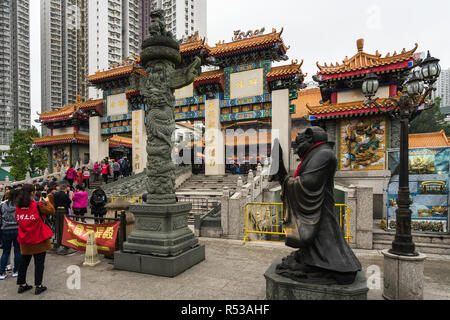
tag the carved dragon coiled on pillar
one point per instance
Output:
(160, 57)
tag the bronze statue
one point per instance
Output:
(310, 221)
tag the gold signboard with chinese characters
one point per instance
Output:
(246, 84)
(117, 104)
(185, 92)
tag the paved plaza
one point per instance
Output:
(231, 271)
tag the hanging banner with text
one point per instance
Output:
(75, 235)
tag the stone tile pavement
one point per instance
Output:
(231, 271)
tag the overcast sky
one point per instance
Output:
(316, 30)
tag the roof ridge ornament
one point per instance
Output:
(238, 35)
(360, 44)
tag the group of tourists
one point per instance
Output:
(106, 168)
(80, 176)
(114, 168)
(26, 217)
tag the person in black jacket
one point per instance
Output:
(98, 202)
(62, 199)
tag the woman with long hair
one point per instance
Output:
(34, 236)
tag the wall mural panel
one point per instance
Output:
(363, 144)
(60, 157)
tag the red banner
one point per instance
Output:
(75, 235)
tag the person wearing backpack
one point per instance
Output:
(116, 170)
(9, 231)
(98, 202)
(34, 236)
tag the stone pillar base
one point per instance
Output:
(282, 288)
(403, 276)
(159, 266)
(161, 243)
(160, 230)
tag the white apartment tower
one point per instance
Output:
(113, 34)
(183, 17)
(63, 52)
(14, 68)
(443, 88)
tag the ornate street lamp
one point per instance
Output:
(406, 107)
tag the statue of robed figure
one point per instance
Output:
(310, 220)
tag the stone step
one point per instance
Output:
(432, 248)
(379, 234)
(193, 194)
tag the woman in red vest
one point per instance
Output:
(106, 171)
(34, 236)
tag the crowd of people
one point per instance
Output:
(26, 220)
(27, 212)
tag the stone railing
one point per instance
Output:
(232, 205)
(134, 186)
(359, 200)
(30, 180)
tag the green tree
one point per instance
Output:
(23, 157)
(431, 120)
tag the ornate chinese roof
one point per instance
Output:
(71, 111)
(340, 110)
(129, 66)
(289, 70)
(193, 45)
(117, 141)
(265, 40)
(363, 62)
(428, 140)
(305, 97)
(209, 75)
(215, 76)
(62, 139)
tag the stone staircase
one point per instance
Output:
(205, 193)
(425, 243)
(211, 187)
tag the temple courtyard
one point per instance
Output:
(231, 271)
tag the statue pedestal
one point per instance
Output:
(162, 243)
(282, 288)
(403, 276)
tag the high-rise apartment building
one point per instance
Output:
(63, 52)
(183, 17)
(113, 34)
(443, 88)
(14, 68)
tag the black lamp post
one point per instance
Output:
(406, 107)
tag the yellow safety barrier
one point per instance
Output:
(273, 213)
(131, 199)
(347, 220)
(267, 218)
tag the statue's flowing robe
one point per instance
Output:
(310, 198)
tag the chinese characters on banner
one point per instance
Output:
(213, 137)
(75, 235)
(139, 138)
